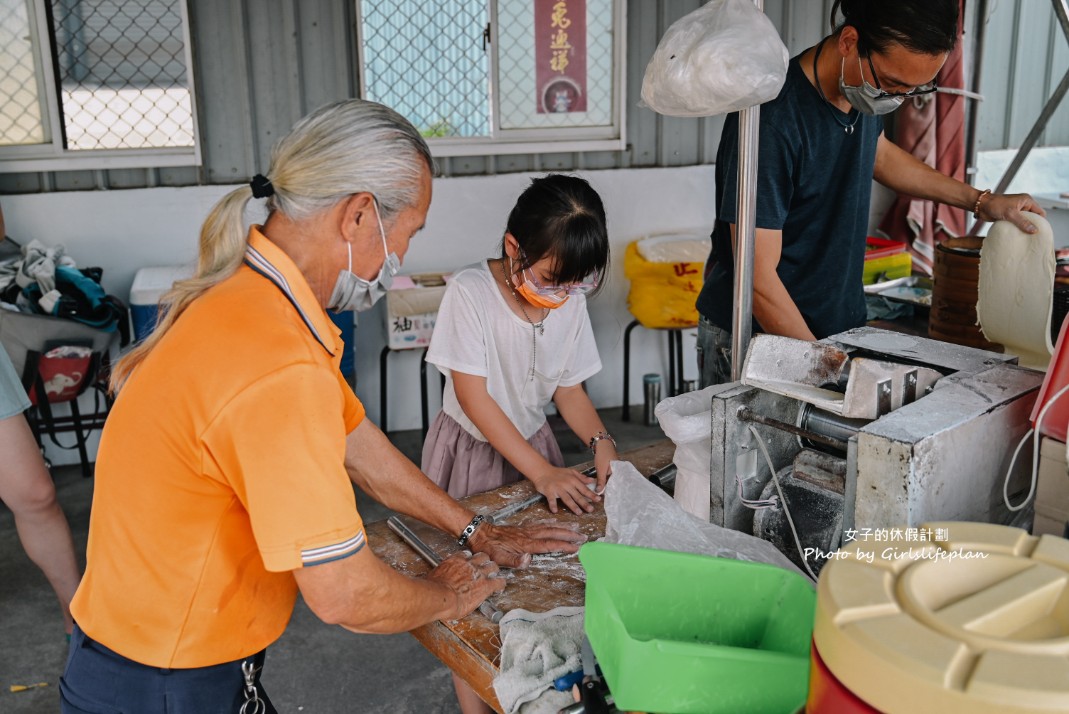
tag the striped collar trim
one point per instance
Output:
(327, 553)
(262, 265)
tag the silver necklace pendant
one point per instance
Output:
(541, 327)
(849, 128)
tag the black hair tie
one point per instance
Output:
(261, 186)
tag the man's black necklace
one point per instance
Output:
(539, 326)
(848, 128)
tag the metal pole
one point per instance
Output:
(1061, 9)
(742, 319)
(424, 551)
(977, 73)
(746, 414)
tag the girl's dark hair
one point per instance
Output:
(926, 26)
(562, 217)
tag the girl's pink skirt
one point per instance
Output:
(463, 465)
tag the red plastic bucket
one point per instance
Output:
(827, 695)
(1057, 417)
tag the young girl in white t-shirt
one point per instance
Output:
(513, 334)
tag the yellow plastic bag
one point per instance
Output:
(663, 293)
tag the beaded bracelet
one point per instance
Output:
(979, 199)
(598, 437)
(470, 529)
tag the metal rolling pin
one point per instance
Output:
(514, 508)
(424, 551)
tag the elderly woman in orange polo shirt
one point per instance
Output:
(223, 474)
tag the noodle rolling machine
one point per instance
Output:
(867, 430)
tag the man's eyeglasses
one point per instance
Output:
(580, 288)
(915, 92)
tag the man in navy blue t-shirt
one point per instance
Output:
(821, 144)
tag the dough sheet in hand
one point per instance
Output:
(1016, 288)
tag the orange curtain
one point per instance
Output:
(932, 128)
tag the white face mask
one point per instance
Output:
(866, 98)
(351, 292)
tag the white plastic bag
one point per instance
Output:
(723, 57)
(686, 420)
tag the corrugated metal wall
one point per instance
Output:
(1025, 57)
(261, 64)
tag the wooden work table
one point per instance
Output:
(471, 646)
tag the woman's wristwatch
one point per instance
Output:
(598, 437)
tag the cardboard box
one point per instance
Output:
(411, 309)
(1052, 489)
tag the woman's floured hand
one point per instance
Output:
(512, 546)
(570, 487)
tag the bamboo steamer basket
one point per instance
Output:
(955, 280)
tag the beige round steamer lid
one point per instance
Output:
(949, 618)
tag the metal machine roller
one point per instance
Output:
(832, 426)
(868, 429)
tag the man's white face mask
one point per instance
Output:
(351, 292)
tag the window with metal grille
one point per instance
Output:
(95, 84)
(498, 76)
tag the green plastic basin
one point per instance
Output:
(676, 633)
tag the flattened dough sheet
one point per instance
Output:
(1016, 289)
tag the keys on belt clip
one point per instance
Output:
(253, 704)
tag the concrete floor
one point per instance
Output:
(313, 668)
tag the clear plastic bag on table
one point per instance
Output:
(723, 57)
(640, 514)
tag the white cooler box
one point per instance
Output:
(149, 286)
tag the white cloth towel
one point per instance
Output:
(39, 265)
(537, 648)
(8, 270)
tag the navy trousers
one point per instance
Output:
(98, 680)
